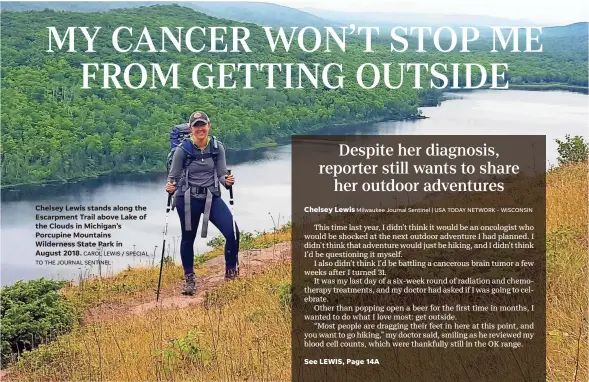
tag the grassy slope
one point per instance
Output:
(566, 274)
(243, 330)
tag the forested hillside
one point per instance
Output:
(54, 130)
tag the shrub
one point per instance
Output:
(185, 350)
(572, 150)
(285, 294)
(30, 313)
(247, 240)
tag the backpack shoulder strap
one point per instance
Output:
(214, 148)
(187, 146)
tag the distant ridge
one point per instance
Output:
(575, 29)
(416, 19)
(266, 14)
(259, 13)
(269, 14)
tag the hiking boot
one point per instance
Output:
(231, 273)
(190, 285)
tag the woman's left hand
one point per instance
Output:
(229, 180)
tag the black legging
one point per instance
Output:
(221, 218)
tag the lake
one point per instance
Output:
(262, 190)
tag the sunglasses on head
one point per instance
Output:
(199, 124)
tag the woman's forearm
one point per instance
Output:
(222, 166)
(176, 166)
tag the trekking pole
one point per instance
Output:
(159, 283)
(233, 215)
(231, 203)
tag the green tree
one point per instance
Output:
(30, 313)
(572, 149)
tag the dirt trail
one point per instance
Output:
(250, 263)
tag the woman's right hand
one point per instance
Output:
(170, 187)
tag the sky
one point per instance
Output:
(540, 11)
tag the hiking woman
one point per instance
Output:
(198, 168)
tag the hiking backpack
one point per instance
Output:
(178, 135)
